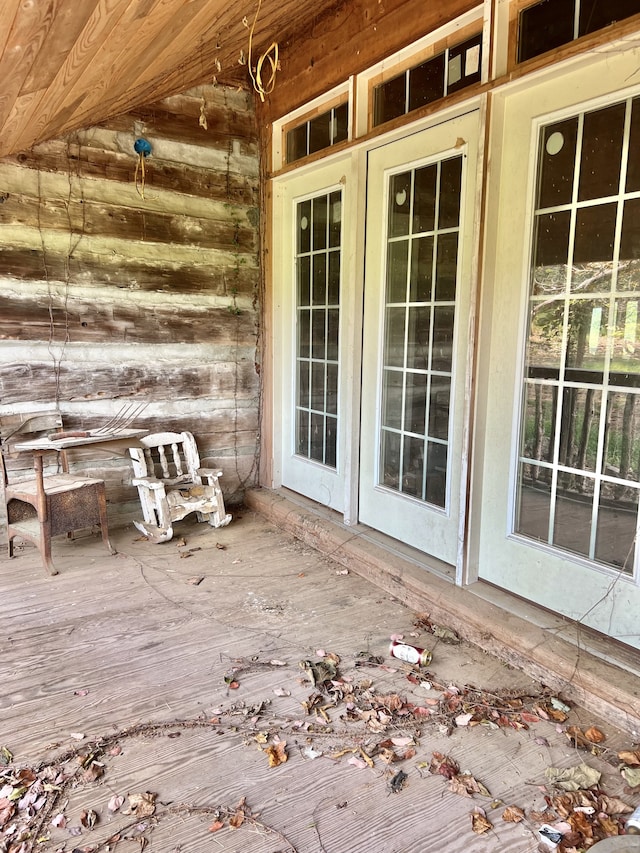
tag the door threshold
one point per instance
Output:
(598, 673)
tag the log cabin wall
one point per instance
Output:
(115, 292)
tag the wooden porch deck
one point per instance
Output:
(115, 681)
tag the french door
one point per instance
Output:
(420, 242)
(313, 333)
(559, 515)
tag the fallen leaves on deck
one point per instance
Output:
(379, 729)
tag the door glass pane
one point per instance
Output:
(421, 276)
(318, 260)
(579, 464)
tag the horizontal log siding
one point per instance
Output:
(107, 297)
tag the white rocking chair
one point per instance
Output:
(171, 484)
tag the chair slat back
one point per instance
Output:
(168, 456)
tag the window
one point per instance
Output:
(318, 257)
(579, 465)
(420, 303)
(318, 133)
(455, 68)
(552, 23)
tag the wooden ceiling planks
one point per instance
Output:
(9, 11)
(26, 127)
(22, 47)
(69, 64)
(162, 43)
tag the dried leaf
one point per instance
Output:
(89, 818)
(194, 581)
(467, 785)
(526, 717)
(59, 820)
(513, 814)
(594, 735)
(457, 786)
(216, 825)
(630, 757)
(366, 758)
(401, 741)
(387, 755)
(446, 635)
(6, 756)
(573, 778)
(277, 753)
(94, 771)
(7, 810)
(631, 776)
(463, 720)
(612, 805)
(238, 818)
(114, 803)
(141, 805)
(280, 691)
(579, 822)
(609, 825)
(443, 765)
(479, 822)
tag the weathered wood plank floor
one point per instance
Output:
(131, 643)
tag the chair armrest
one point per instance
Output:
(209, 474)
(150, 483)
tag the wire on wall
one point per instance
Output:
(142, 147)
(269, 59)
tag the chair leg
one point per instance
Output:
(154, 533)
(104, 527)
(44, 546)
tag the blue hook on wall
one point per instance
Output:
(142, 147)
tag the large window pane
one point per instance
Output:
(423, 220)
(580, 457)
(318, 224)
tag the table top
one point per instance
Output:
(91, 437)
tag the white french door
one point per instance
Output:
(313, 332)
(560, 360)
(418, 273)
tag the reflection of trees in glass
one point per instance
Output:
(621, 446)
